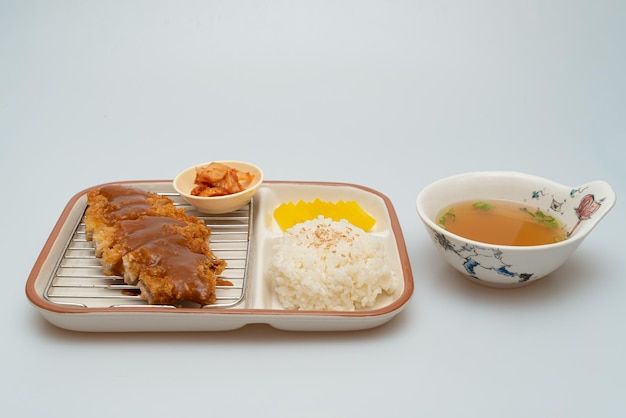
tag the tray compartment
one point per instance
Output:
(77, 279)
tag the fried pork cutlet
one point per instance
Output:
(144, 238)
(165, 270)
(129, 234)
(113, 203)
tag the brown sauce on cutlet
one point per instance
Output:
(166, 248)
(179, 264)
(117, 193)
(137, 232)
(125, 202)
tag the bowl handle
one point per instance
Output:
(598, 198)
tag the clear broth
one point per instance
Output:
(501, 222)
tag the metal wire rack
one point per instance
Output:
(77, 279)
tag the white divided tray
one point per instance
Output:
(67, 286)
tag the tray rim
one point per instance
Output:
(58, 309)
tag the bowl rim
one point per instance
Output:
(572, 240)
(255, 185)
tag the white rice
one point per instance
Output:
(325, 265)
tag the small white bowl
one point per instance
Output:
(184, 183)
(579, 208)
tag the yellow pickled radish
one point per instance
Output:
(289, 214)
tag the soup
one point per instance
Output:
(501, 222)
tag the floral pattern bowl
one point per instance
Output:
(578, 208)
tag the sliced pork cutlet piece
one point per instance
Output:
(109, 204)
(167, 271)
(130, 234)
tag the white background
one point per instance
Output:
(388, 94)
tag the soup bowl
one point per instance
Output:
(578, 210)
